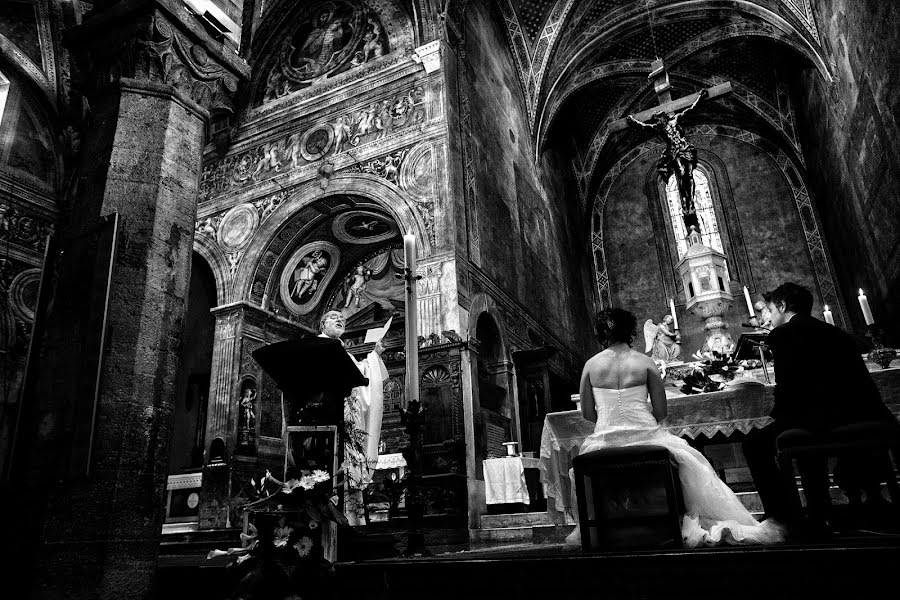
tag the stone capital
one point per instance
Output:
(158, 41)
(429, 56)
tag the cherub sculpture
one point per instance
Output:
(662, 342)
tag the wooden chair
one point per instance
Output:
(628, 497)
(870, 437)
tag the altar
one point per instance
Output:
(742, 406)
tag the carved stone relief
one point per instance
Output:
(372, 122)
(238, 226)
(22, 228)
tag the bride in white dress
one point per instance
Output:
(620, 380)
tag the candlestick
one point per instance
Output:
(749, 303)
(672, 309)
(412, 329)
(864, 305)
(828, 316)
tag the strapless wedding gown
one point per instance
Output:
(714, 514)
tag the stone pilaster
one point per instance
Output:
(154, 79)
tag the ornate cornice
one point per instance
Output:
(160, 42)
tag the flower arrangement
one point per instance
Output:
(283, 543)
(711, 374)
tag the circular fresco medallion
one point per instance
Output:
(316, 142)
(306, 275)
(363, 227)
(238, 226)
(23, 291)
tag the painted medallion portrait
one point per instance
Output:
(306, 275)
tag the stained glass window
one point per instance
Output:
(706, 214)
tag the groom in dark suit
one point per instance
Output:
(813, 395)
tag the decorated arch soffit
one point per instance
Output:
(235, 242)
(531, 45)
(333, 41)
(594, 25)
(793, 173)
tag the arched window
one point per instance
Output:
(706, 214)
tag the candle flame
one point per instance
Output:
(826, 307)
(861, 292)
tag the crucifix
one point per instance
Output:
(679, 157)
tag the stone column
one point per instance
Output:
(221, 422)
(155, 77)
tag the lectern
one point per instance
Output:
(315, 375)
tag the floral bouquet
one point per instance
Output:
(283, 542)
(711, 374)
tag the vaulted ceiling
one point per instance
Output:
(584, 63)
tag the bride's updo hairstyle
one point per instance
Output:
(614, 326)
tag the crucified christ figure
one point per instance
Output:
(680, 156)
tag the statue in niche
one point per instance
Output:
(307, 275)
(662, 342)
(247, 419)
(679, 157)
(355, 284)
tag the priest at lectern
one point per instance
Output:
(363, 408)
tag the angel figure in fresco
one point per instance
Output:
(307, 273)
(662, 342)
(372, 47)
(680, 156)
(355, 285)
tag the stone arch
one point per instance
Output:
(716, 173)
(793, 172)
(395, 202)
(743, 95)
(12, 56)
(483, 304)
(207, 248)
(773, 27)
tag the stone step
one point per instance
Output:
(493, 535)
(515, 520)
(550, 534)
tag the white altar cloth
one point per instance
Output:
(504, 481)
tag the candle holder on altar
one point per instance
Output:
(707, 291)
(882, 355)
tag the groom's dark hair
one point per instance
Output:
(615, 325)
(796, 298)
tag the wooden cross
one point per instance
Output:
(664, 95)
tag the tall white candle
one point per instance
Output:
(829, 318)
(749, 303)
(672, 309)
(412, 325)
(864, 305)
